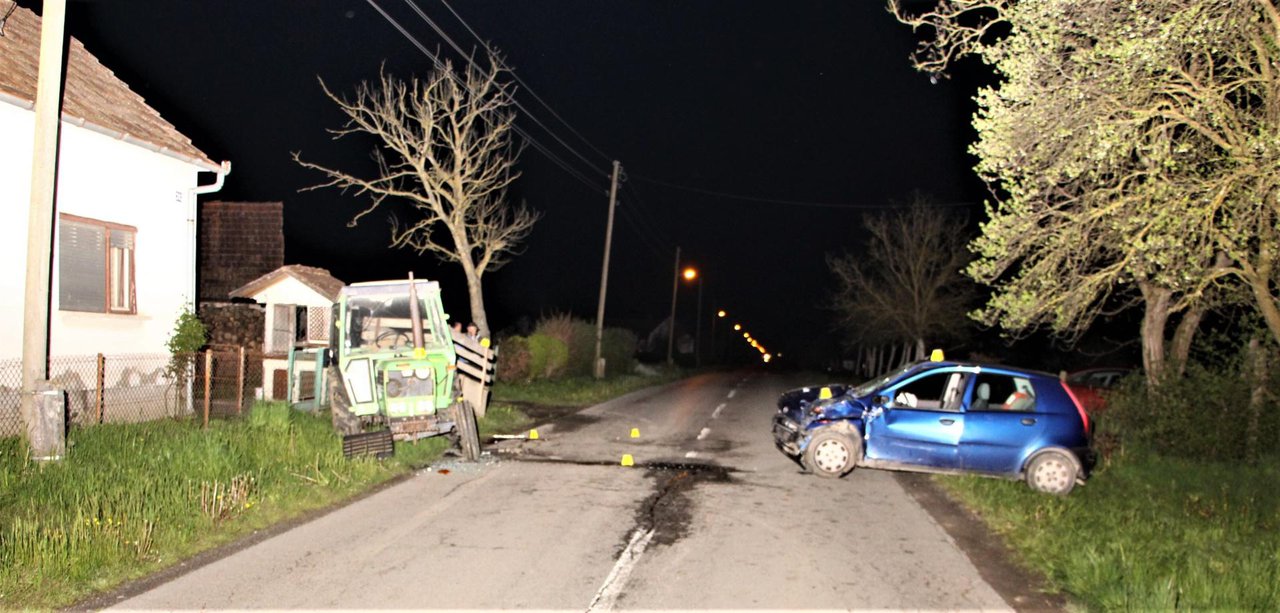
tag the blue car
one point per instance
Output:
(942, 417)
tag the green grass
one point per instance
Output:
(577, 391)
(130, 499)
(1147, 533)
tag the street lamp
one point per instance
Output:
(719, 315)
(689, 273)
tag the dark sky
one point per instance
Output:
(809, 101)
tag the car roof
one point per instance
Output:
(984, 366)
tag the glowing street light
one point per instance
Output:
(720, 313)
(737, 327)
(690, 273)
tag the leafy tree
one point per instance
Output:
(905, 285)
(445, 149)
(1132, 149)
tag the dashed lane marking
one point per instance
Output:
(704, 433)
(732, 392)
(716, 413)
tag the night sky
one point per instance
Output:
(808, 102)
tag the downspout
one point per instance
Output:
(223, 170)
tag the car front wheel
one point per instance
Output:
(1052, 472)
(832, 454)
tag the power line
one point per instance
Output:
(806, 203)
(440, 65)
(526, 86)
(456, 47)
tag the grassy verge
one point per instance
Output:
(576, 391)
(1147, 533)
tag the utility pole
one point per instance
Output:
(671, 328)
(44, 166)
(598, 363)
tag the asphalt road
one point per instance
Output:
(710, 517)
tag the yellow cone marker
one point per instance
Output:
(627, 460)
(635, 433)
(533, 435)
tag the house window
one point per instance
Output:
(95, 266)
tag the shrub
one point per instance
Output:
(579, 338)
(513, 360)
(618, 348)
(548, 356)
(1204, 414)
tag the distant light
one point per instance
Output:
(766, 357)
(689, 274)
(737, 327)
(746, 335)
(720, 313)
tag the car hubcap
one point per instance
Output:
(1053, 475)
(831, 456)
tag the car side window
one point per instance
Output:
(924, 393)
(993, 392)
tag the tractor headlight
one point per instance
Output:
(422, 373)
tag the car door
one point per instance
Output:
(921, 422)
(1000, 421)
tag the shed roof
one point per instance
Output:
(318, 279)
(93, 96)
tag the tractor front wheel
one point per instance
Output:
(344, 421)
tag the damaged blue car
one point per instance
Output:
(942, 417)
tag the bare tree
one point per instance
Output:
(445, 149)
(906, 285)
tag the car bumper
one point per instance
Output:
(787, 435)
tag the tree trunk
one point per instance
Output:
(920, 349)
(1180, 347)
(1154, 317)
(1257, 376)
(476, 294)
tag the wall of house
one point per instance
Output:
(106, 179)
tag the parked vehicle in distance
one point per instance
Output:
(1091, 384)
(942, 417)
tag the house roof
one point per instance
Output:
(93, 96)
(318, 279)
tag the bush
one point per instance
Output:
(1204, 414)
(513, 360)
(618, 348)
(548, 356)
(579, 338)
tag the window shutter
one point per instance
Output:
(281, 328)
(82, 264)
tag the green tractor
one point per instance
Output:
(395, 371)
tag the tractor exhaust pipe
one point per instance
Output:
(415, 318)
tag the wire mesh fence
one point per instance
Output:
(215, 384)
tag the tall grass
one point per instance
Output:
(133, 498)
(1148, 533)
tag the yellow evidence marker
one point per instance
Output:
(635, 433)
(533, 435)
(627, 460)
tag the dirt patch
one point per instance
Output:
(1024, 590)
(667, 510)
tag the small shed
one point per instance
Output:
(299, 305)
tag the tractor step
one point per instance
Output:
(379, 444)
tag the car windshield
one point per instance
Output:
(879, 382)
(381, 321)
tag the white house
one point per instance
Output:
(299, 302)
(124, 246)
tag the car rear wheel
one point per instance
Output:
(1052, 472)
(831, 454)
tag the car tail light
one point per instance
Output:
(1084, 416)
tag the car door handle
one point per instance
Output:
(1027, 421)
(946, 421)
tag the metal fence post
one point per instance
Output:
(102, 378)
(240, 382)
(208, 371)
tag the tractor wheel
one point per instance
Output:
(344, 421)
(464, 419)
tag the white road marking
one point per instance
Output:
(716, 413)
(691, 454)
(732, 392)
(607, 596)
(704, 433)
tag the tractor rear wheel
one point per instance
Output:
(464, 419)
(344, 421)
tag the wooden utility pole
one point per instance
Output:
(671, 328)
(596, 364)
(44, 167)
